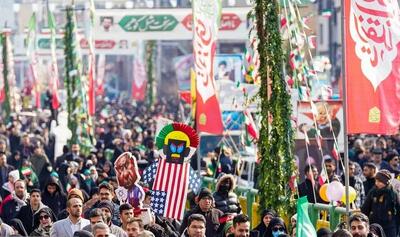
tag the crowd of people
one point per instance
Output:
(73, 193)
(374, 175)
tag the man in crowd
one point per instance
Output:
(13, 203)
(101, 230)
(27, 213)
(330, 165)
(74, 221)
(205, 207)
(107, 209)
(241, 226)
(125, 213)
(369, 171)
(309, 186)
(135, 228)
(106, 193)
(359, 225)
(5, 169)
(377, 159)
(196, 226)
(393, 159)
(356, 183)
(75, 152)
(95, 216)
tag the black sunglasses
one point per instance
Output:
(44, 217)
(278, 228)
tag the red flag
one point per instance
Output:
(101, 69)
(91, 90)
(372, 54)
(139, 83)
(55, 101)
(186, 96)
(208, 114)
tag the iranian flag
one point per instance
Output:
(206, 17)
(33, 62)
(139, 83)
(250, 125)
(372, 54)
(53, 84)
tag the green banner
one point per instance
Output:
(148, 23)
(46, 43)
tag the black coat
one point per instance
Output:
(56, 201)
(369, 183)
(28, 217)
(9, 209)
(213, 226)
(382, 206)
(227, 202)
(306, 189)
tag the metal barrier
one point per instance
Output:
(249, 201)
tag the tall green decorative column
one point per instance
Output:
(276, 133)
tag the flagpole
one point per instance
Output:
(344, 102)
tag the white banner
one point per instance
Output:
(165, 24)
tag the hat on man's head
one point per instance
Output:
(205, 192)
(377, 151)
(383, 176)
(106, 204)
(76, 192)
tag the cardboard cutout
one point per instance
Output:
(128, 176)
(177, 143)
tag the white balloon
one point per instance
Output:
(335, 191)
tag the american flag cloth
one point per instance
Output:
(194, 178)
(170, 189)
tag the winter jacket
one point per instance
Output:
(11, 206)
(27, 217)
(56, 201)
(226, 200)
(213, 226)
(382, 206)
(369, 184)
(41, 232)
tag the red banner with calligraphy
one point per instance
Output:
(205, 26)
(372, 55)
(139, 83)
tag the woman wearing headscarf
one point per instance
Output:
(53, 196)
(275, 228)
(45, 218)
(377, 230)
(266, 217)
